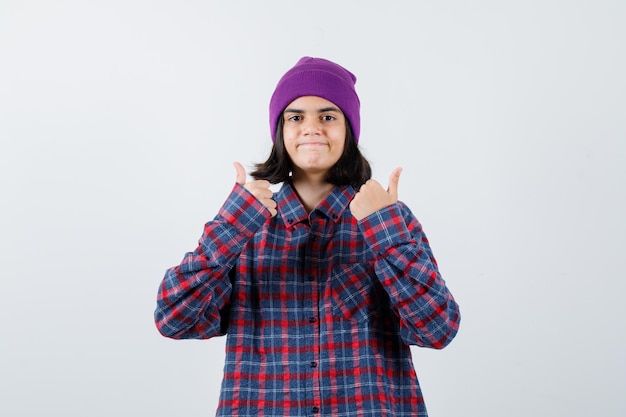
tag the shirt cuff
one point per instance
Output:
(244, 211)
(385, 229)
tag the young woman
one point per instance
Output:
(321, 287)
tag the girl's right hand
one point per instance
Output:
(258, 188)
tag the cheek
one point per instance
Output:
(289, 135)
(289, 146)
(340, 136)
(340, 142)
(289, 151)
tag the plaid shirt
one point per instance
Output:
(319, 309)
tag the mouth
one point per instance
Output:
(312, 144)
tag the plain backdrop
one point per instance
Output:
(119, 123)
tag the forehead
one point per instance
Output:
(311, 103)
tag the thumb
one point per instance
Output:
(393, 183)
(241, 173)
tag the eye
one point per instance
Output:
(295, 118)
(328, 118)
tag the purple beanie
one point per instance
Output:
(322, 78)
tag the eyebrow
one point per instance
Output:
(322, 110)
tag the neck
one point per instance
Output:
(312, 190)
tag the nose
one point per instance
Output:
(312, 126)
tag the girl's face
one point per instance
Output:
(314, 133)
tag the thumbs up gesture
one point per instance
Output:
(373, 197)
(258, 188)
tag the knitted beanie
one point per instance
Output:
(322, 78)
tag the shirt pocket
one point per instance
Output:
(355, 292)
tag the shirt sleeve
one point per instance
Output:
(193, 298)
(429, 315)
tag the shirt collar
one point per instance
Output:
(292, 210)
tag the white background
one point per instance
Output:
(119, 122)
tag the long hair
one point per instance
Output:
(351, 169)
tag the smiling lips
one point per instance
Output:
(313, 144)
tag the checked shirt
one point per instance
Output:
(319, 309)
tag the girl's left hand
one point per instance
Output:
(373, 197)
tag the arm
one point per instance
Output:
(194, 296)
(429, 315)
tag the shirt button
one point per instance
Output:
(315, 410)
(310, 278)
(313, 364)
(312, 319)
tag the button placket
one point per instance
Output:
(314, 263)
